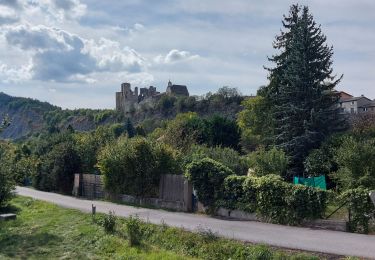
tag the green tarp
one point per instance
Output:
(318, 182)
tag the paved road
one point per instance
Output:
(324, 241)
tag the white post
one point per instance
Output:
(372, 196)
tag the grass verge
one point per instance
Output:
(45, 231)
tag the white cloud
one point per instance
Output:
(58, 55)
(69, 9)
(111, 57)
(41, 38)
(175, 56)
(14, 74)
(8, 15)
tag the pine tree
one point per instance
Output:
(301, 88)
(129, 128)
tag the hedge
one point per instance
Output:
(207, 177)
(233, 193)
(273, 199)
(360, 207)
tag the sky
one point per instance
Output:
(76, 53)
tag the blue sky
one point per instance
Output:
(76, 53)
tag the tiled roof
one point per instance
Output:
(353, 99)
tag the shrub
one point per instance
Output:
(360, 207)
(318, 162)
(249, 199)
(271, 194)
(233, 194)
(108, 222)
(207, 177)
(7, 183)
(227, 156)
(133, 166)
(271, 161)
(166, 104)
(305, 203)
(57, 169)
(356, 162)
(185, 130)
(134, 230)
(222, 131)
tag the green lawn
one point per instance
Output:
(45, 231)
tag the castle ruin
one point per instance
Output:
(128, 100)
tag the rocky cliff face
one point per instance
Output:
(29, 116)
(26, 116)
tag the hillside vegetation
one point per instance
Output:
(30, 116)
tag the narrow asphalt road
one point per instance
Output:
(324, 241)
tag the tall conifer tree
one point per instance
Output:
(301, 88)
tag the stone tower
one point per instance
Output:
(126, 99)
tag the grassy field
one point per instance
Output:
(45, 231)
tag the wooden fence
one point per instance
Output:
(175, 191)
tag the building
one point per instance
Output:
(368, 108)
(128, 100)
(178, 90)
(354, 105)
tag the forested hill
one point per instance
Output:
(29, 116)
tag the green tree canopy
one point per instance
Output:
(302, 86)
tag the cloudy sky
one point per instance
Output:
(76, 53)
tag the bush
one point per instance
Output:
(222, 131)
(318, 162)
(134, 230)
(249, 199)
(271, 161)
(133, 166)
(166, 104)
(305, 203)
(7, 183)
(57, 169)
(360, 207)
(108, 222)
(273, 199)
(233, 194)
(356, 163)
(227, 156)
(207, 177)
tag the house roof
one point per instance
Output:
(370, 104)
(354, 99)
(345, 93)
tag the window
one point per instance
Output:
(352, 102)
(352, 110)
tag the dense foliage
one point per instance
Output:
(188, 128)
(356, 163)
(134, 166)
(304, 102)
(57, 169)
(6, 174)
(273, 199)
(256, 123)
(264, 162)
(227, 156)
(361, 209)
(207, 177)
